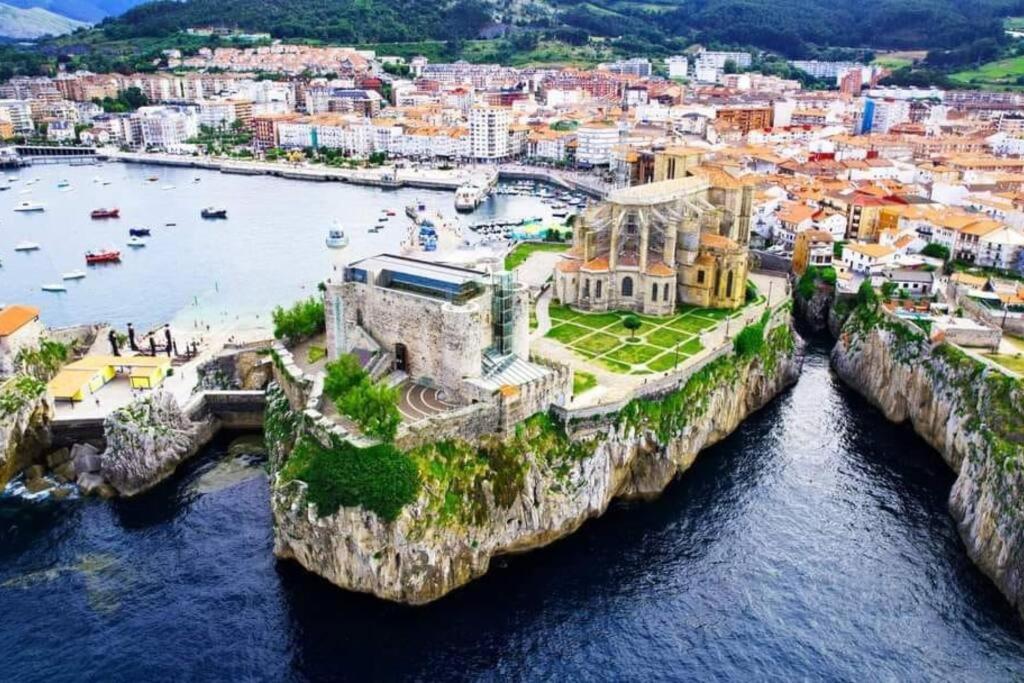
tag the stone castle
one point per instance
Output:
(649, 248)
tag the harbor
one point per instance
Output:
(197, 273)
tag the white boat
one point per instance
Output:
(30, 206)
(336, 239)
(63, 183)
(73, 275)
(136, 242)
(469, 196)
(12, 178)
(25, 245)
(54, 288)
(167, 187)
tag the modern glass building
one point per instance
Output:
(435, 280)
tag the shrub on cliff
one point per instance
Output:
(380, 478)
(342, 375)
(750, 340)
(302, 320)
(373, 406)
(866, 294)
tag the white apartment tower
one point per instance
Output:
(489, 132)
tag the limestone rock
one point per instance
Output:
(945, 399)
(65, 472)
(146, 440)
(86, 458)
(56, 458)
(24, 436)
(416, 558)
(95, 485)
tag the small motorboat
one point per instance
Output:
(55, 287)
(170, 225)
(391, 212)
(4, 188)
(336, 239)
(167, 187)
(213, 212)
(63, 183)
(196, 179)
(73, 275)
(105, 213)
(12, 178)
(105, 182)
(30, 206)
(136, 242)
(25, 245)
(152, 178)
(102, 256)
(138, 232)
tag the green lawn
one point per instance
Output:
(523, 250)
(602, 338)
(634, 354)
(567, 332)
(1014, 363)
(582, 381)
(598, 343)
(999, 74)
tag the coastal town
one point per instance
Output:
(477, 386)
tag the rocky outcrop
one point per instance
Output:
(814, 310)
(234, 370)
(146, 441)
(971, 413)
(477, 501)
(25, 416)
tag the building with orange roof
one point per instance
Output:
(20, 328)
(650, 247)
(812, 248)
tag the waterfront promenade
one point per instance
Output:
(390, 176)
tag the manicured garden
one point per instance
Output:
(657, 345)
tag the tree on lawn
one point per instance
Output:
(631, 323)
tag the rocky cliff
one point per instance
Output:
(475, 501)
(815, 309)
(146, 441)
(971, 413)
(25, 416)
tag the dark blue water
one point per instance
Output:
(814, 543)
(269, 251)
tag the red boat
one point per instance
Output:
(105, 256)
(105, 213)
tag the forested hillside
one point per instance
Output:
(791, 27)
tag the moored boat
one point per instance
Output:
(105, 213)
(25, 245)
(136, 242)
(213, 212)
(138, 232)
(102, 256)
(336, 239)
(30, 206)
(55, 287)
(73, 275)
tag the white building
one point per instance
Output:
(596, 143)
(489, 132)
(164, 127)
(678, 67)
(19, 112)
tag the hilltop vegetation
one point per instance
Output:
(796, 28)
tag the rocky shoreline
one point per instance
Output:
(969, 412)
(482, 500)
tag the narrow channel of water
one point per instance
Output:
(813, 543)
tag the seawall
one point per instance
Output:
(478, 500)
(971, 413)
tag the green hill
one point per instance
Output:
(792, 27)
(28, 24)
